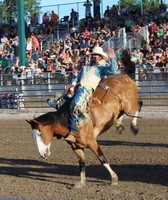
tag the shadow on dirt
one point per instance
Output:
(123, 143)
(45, 171)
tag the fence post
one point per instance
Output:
(58, 33)
(1, 79)
(136, 77)
(125, 38)
(18, 97)
(49, 82)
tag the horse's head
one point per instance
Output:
(43, 140)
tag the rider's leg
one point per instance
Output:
(78, 100)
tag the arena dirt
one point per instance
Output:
(141, 163)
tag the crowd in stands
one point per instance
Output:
(69, 54)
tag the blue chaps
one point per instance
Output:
(80, 99)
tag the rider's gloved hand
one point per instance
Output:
(71, 91)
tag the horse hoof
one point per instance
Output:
(134, 129)
(114, 181)
(120, 129)
(79, 185)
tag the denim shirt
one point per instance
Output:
(100, 71)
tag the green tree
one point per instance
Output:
(147, 3)
(9, 10)
(126, 3)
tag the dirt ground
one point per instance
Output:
(141, 162)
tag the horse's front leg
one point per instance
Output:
(98, 152)
(81, 158)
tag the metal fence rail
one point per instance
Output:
(24, 96)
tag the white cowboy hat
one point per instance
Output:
(98, 50)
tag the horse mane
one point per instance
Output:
(60, 116)
(126, 61)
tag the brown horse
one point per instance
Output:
(113, 97)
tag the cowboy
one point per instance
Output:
(87, 80)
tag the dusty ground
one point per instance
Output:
(141, 163)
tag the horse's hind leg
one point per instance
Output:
(119, 124)
(134, 127)
(98, 152)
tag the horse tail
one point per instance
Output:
(128, 64)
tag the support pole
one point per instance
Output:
(21, 31)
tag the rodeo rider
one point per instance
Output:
(87, 80)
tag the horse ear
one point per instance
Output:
(28, 121)
(32, 122)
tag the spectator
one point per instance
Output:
(54, 18)
(129, 24)
(1, 69)
(11, 52)
(160, 31)
(37, 73)
(67, 59)
(45, 20)
(158, 42)
(74, 34)
(57, 64)
(107, 13)
(4, 40)
(35, 42)
(87, 5)
(32, 28)
(41, 63)
(1, 47)
(154, 28)
(85, 33)
(89, 21)
(51, 28)
(29, 46)
(35, 55)
(73, 16)
(114, 11)
(120, 65)
(106, 33)
(41, 35)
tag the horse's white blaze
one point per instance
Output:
(43, 149)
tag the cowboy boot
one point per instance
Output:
(70, 138)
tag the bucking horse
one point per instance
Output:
(115, 96)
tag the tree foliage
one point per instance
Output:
(146, 3)
(9, 9)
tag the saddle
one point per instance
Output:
(87, 109)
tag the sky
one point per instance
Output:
(64, 10)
